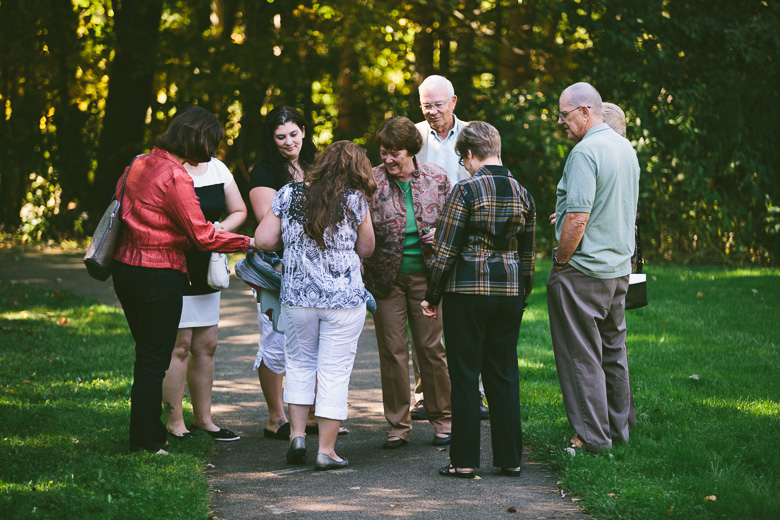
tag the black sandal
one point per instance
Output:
(282, 433)
(450, 471)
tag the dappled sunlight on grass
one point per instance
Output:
(65, 378)
(704, 359)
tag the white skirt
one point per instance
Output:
(200, 311)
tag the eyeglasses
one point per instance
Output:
(564, 115)
(430, 106)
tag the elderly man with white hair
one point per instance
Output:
(441, 127)
(586, 289)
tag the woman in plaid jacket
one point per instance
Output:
(483, 271)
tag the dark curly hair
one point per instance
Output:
(276, 118)
(340, 167)
(194, 134)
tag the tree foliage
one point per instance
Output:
(87, 84)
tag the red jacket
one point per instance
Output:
(162, 216)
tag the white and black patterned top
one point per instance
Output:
(314, 277)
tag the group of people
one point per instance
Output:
(441, 234)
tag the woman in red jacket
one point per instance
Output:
(162, 219)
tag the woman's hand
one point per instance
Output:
(429, 311)
(218, 227)
(552, 219)
(428, 237)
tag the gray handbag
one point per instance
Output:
(102, 247)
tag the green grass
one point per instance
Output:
(65, 376)
(66, 369)
(715, 436)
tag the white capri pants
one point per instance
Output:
(270, 348)
(321, 348)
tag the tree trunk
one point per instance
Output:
(25, 84)
(71, 160)
(258, 18)
(514, 59)
(136, 26)
(444, 44)
(348, 103)
(423, 43)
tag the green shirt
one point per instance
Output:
(412, 260)
(601, 177)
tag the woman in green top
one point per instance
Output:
(405, 211)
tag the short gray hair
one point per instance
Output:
(434, 81)
(481, 138)
(584, 95)
(613, 115)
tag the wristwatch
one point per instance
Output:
(556, 263)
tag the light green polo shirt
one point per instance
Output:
(601, 177)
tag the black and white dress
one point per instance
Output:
(201, 302)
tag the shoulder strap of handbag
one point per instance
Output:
(639, 261)
(124, 180)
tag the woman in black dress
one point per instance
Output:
(288, 151)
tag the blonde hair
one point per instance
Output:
(613, 115)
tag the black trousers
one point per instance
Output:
(480, 334)
(151, 299)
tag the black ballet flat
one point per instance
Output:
(508, 472)
(296, 453)
(324, 463)
(449, 471)
(394, 444)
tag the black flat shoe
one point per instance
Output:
(419, 413)
(441, 441)
(449, 471)
(183, 436)
(282, 434)
(296, 453)
(508, 472)
(394, 444)
(223, 434)
(325, 462)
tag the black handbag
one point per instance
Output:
(102, 247)
(636, 297)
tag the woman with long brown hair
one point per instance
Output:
(325, 227)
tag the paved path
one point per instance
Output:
(250, 478)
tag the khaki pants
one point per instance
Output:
(390, 318)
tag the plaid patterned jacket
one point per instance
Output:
(485, 239)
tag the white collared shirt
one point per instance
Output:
(442, 151)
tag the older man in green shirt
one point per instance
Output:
(586, 289)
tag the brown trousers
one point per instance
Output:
(390, 319)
